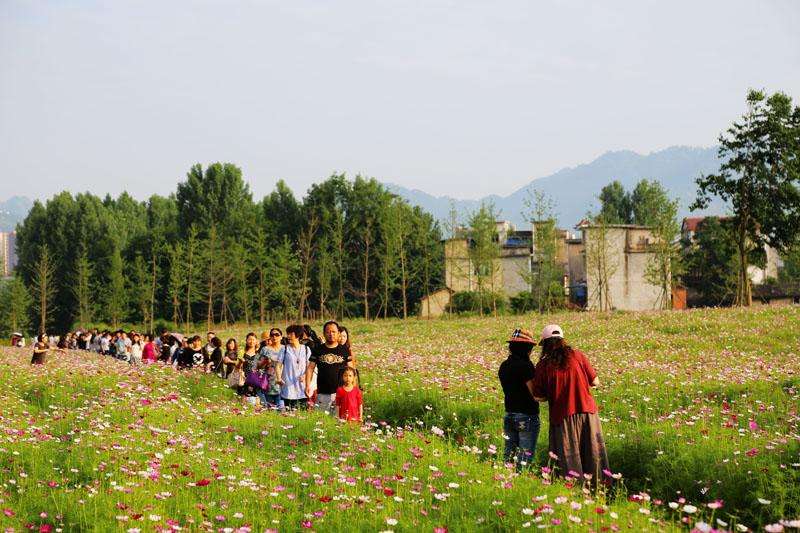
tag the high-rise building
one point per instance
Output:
(8, 253)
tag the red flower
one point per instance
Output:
(45, 528)
(325, 499)
(388, 492)
(202, 482)
(306, 524)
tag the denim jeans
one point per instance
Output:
(274, 400)
(325, 403)
(520, 431)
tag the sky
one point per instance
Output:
(463, 98)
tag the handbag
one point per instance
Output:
(259, 380)
(235, 379)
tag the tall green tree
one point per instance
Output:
(43, 287)
(650, 204)
(759, 179)
(15, 306)
(484, 252)
(215, 197)
(615, 204)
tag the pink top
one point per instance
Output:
(149, 352)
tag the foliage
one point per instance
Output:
(210, 253)
(615, 204)
(15, 305)
(477, 302)
(759, 179)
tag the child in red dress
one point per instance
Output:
(348, 397)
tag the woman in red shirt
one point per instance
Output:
(563, 377)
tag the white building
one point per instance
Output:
(8, 253)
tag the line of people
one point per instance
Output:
(297, 371)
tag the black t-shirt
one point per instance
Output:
(190, 357)
(514, 373)
(215, 359)
(329, 361)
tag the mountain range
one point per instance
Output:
(573, 190)
(14, 210)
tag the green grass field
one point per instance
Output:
(700, 411)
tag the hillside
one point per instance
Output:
(13, 211)
(575, 189)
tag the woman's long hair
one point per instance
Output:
(555, 350)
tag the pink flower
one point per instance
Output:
(440, 529)
(751, 452)
(8, 512)
(306, 524)
(753, 425)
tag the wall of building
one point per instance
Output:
(8, 253)
(626, 261)
(514, 268)
(436, 305)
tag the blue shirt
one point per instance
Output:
(294, 371)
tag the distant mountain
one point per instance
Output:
(14, 210)
(575, 190)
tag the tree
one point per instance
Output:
(665, 264)
(711, 261)
(217, 197)
(759, 179)
(176, 281)
(190, 285)
(81, 287)
(650, 203)
(115, 291)
(306, 248)
(544, 277)
(615, 204)
(283, 268)
(484, 251)
(791, 264)
(15, 306)
(44, 287)
(601, 265)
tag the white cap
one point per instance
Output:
(552, 330)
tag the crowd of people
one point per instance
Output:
(298, 370)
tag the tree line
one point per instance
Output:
(209, 253)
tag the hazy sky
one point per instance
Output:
(462, 98)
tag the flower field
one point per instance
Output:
(701, 414)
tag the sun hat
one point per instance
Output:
(552, 330)
(521, 335)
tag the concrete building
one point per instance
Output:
(8, 252)
(509, 271)
(627, 253)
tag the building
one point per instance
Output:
(8, 253)
(620, 261)
(509, 272)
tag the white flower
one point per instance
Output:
(527, 511)
(689, 509)
(391, 521)
(673, 505)
(762, 501)
(773, 528)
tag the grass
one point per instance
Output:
(698, 408)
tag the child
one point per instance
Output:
(348, 397)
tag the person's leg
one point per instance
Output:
(290, 404)
(510, 438)
(528, 433)
(324, 403)
(262, 396)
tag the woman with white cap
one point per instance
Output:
(521, 421)
(563, 378)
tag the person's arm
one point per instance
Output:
(595, 382)
(309, 375)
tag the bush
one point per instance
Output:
(476, 302)
(527, 301)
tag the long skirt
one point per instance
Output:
(578, 443)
